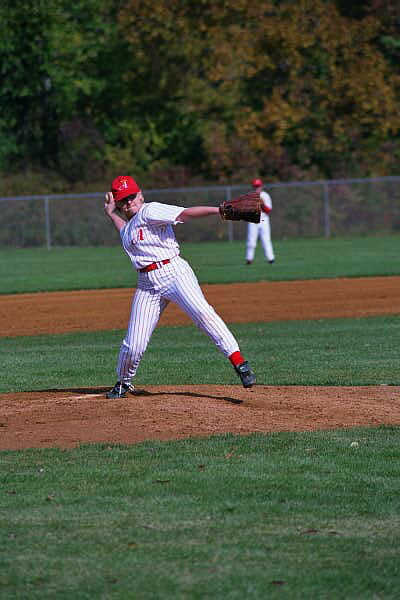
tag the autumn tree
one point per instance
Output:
(222, 88)
(284, 88)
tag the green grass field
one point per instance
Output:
(38, 269)
(299, 516)
(320, 352)
(285, 515)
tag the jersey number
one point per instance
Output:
(138, 236)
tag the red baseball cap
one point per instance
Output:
(256, 183)
(124, 186)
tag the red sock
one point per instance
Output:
(236, 359)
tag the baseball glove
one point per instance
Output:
(243, 208)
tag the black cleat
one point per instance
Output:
(120, 390)
(246, 375)
(248, 262)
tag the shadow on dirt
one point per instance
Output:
(141, 393)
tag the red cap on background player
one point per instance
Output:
(256, 183)
(124, 186)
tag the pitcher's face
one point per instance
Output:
(129, 206)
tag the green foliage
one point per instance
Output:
(303, 515)
(387, 12)
(227, 89)
(50, 55)
(25, 91)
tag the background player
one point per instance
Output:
(262, 229)
(148, 238)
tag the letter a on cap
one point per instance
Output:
(124, 186)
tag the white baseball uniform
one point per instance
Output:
(148, 238)
(262, 229)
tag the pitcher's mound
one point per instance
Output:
(70, 417)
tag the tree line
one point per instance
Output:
(193, 91)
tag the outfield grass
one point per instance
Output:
(299, 516)
(37, 269)
(325, 352)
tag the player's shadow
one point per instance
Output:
(139, 392)
(186, 394)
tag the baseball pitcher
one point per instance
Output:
(148, 237)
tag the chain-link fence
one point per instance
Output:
(300, 209)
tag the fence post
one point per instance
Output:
(230, 223)
(47, 222)
(327, 220)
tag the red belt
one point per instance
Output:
(155, 265)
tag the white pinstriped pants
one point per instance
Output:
(174, 282)
(262, 229)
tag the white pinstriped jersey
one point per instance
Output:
(149, 236)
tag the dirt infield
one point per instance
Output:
(67, 418)
(70, 417)
(101, 310)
